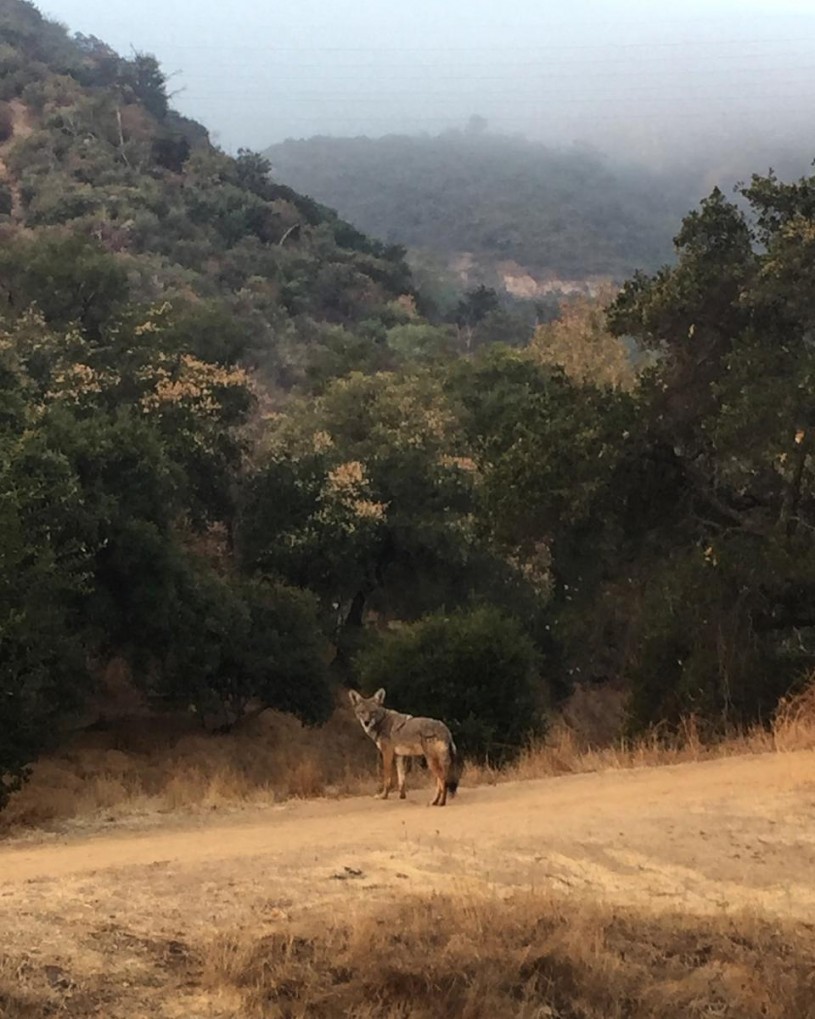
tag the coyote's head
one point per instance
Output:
(369, 710)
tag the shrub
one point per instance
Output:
(236, 642)
(6, 122)
(70, 278)
(476, 669)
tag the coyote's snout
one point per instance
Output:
(399, 736)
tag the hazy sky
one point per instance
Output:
(623, 73)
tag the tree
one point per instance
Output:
(43, 584)
(472, 309)
(233, 644)
(143, 75)
(415, 342)
(67, 277)
(545, 447)
(730, 399)
(369, 496)
(579, 342)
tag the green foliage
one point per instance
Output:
(42, 583)
(140, 266)
(6, 122)
(213, 330)
(94, 477)
(725, 624)
(546, 447)
(315, 525)
(416, 343)
(145, 79)
(68, 278)
(476, 305)
(475, 669)
(367, 496)
(230, 644)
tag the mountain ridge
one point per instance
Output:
(568, 213)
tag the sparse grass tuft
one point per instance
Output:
(794, 722)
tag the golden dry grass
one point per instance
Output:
(150, 766)
(529, 956)
(146, 766)
(569, 748)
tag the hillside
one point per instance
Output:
(89, 144)
(564, 213)
(158, 301)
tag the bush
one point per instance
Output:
(16, 71)
(236, 642)
(70, 278)
(6, 122)
(476, 669)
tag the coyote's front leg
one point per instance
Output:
(387, 771)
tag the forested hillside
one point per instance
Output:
(235, 456)
(567, 212)
(157, 296)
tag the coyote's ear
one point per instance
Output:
(379, 696)
(354, 697)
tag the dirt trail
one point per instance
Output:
(733, 832)
(119, 908)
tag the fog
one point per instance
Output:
(655, 82)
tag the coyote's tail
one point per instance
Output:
(456, 767)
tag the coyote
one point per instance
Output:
(399, 736)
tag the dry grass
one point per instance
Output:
(529, 956)
(126, 977)
(568, 748)
(146, 766)
(532, 956)
(149, 766)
